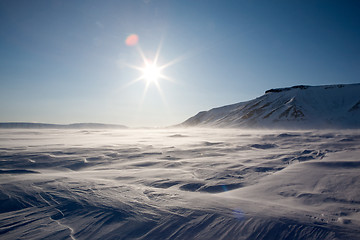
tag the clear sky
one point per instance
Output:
(67, 61)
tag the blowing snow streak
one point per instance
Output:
(179, 184)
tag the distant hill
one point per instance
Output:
(303, 107)
(60, 126)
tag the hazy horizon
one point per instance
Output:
(293, 108)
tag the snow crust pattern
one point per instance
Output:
(179, 184)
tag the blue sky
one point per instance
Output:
(65, 61)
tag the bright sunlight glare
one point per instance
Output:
(151, 73)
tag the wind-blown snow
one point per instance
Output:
(179, 184)
(306, 107)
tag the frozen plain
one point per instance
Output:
(179, 184)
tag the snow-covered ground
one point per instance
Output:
(179, 184)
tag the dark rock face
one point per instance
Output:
(287, 89)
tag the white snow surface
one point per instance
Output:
(305, 107)
(179, 184)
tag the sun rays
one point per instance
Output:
(151, 73)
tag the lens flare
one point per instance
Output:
(239, 214)
(132, 40)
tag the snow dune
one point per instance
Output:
(179, 184)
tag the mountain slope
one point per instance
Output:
(330, 106)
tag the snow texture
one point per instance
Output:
(179, 184)
(305, 107)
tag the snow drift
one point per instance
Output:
(306, 107)
(179, 184)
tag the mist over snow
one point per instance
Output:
(30, 125)
(305, 107)
(179, 184)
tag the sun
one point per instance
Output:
(151, 73)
